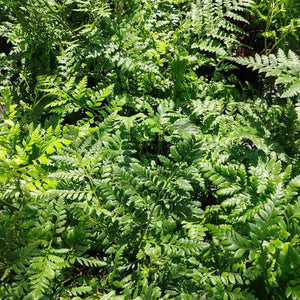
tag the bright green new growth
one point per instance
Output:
(136, 162)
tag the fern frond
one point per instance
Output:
(90, 262)
(184, 247)
(286, 69)
(43, 272)
(80, 290)
(195, 231)
(69, 194)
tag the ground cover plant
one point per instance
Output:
(149, 149)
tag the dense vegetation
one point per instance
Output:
(149, 149)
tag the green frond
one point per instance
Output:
(265, 223)
(237, 243)
(215, 22)
(286, 69)
(195, 231)
(42, 272)
(80, 290)
(90, 262)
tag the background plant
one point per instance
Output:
(280, 21)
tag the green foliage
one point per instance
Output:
(136, 163)
(214, 22)
(280, 23)
(286, 69)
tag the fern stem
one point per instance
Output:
(74, 99)
(278, 41)
(159, 197)
(59, 18)
(138, 280)
(268, 24)
(8, 205)
(263, 265)
(91, 182)
(66, 25)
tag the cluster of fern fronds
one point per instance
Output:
(135, 162)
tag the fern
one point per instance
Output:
(213, 22)
(286, 69)
(132, 166)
